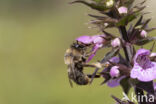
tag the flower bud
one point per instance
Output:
(113, 60)
(114, 72)
(123, 10)
(153, 55)
(143, 34)
(98, 40)
(106, 24)
(116, 42)
(109, 3)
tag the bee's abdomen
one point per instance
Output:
(84, 80)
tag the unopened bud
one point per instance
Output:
(123, 10)
(114, 72)
(143, 34)
(109, 3)
(153, 55)
(116, 42)
(106, 24)
(98, 40)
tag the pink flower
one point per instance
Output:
(114, 72)
(123, 10)
(116, 42)
(143, 69)
(96, 40)
(143, 34)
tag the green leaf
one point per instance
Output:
(125, 85)
(119, 101)
(146, 23)
(126, 3)
(125, 20)
(110, 54)
(151, 29)
(96, 6)
(145, 41)
(139, 21)
(98, 1)
(147, 86)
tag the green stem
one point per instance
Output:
(128, 55)
(123, 33)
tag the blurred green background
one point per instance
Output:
(34, 35)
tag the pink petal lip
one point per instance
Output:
(143, 69)
(85, 39)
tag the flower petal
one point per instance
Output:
(115, 82)
(94, 50)
(154, 84)
(85, 39)
(144, 75)
(153, 54)
(141, 51)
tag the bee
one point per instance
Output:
(75, 58)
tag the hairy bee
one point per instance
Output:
(74, 58)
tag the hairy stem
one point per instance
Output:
(128, 55)
(123, 33)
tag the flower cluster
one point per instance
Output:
(138, 68)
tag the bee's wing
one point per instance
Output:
(72, 68)
(69, 60)
(71, 84)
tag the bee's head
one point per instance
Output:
(78, 45)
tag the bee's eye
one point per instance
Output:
(81, 46)
(76, 46)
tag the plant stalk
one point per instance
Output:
(123, 33)
(128, 55)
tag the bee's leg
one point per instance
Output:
(89, 53)
(96, 76)
(97, 65)
(94, 65)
